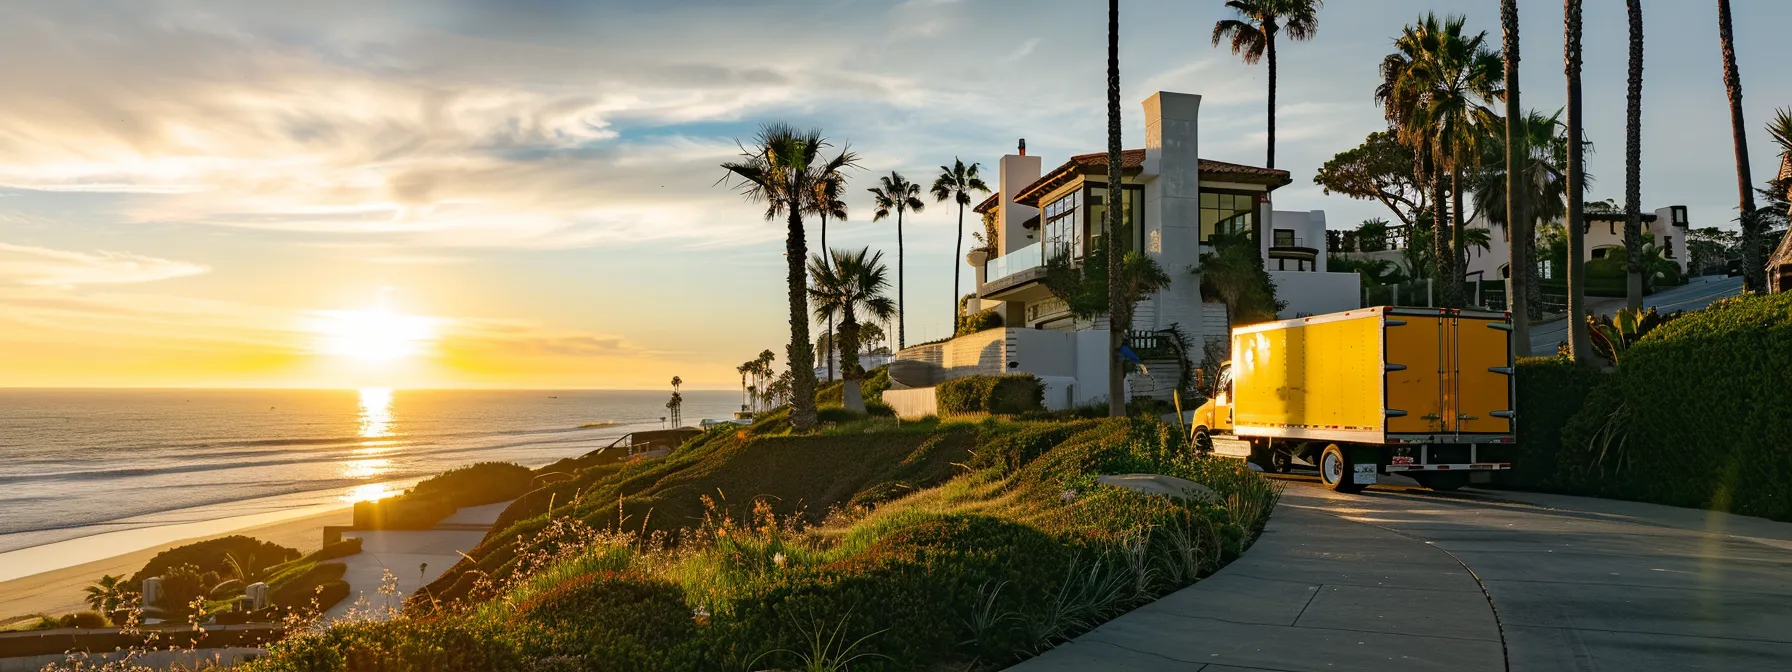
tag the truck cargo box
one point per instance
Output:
(1382, 375)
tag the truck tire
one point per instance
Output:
(1203, 442)
(1442, 481)
(1335, 470)
(1280, 461)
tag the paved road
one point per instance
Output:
(1404, 579)
(1694, 295)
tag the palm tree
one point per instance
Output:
(1754, 276)
(897, 195)
(780, 171)
(1435, 88)
(1633, 163)
(1119, 315)
(1542, 153)
(826, 203)
(853, 285)
(1578, 344)
(1253, 36)
(957, 182)
(1519, 266)
(106, 594)
(745, 395)
(762, 367)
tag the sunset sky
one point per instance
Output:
(523, 194)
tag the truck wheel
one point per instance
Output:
(1281, 462)
(1335, 470)
(1203, 442)
(1442, 481)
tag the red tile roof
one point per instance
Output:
(1131, 161)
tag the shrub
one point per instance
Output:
(477, 485)
(295, 588)
(1697, 414)
(180, 587)
(402, 645)
(874, 384)
(611, 620)
(1550, 391)
(408, 511)
(212, 555)
(909, 592)
(981, 320)
(991, 394)
(79, 619)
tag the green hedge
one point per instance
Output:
(991, 394)
(1550, 391)
(211, 556)
(1698, 414)
(479, 484)
(981, 320)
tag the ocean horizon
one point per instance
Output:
(79, 462)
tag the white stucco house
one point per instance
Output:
(1175, 201)
(1604, 234)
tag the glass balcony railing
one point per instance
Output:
(1014, 262)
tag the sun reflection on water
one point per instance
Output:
(368, 493)
(365, 468)
(376, 412)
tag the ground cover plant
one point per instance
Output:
(872, 542)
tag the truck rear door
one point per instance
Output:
(1415, 356)
(1483, 373)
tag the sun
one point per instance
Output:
(374, 335)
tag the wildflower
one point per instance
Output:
(778, 559)
(1069, 495)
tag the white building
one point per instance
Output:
(1174, 202)
(1604, 235)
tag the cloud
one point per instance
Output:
(45, 267)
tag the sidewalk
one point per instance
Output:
(1316, 593)
(411, 556)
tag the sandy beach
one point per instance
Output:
(60, 591)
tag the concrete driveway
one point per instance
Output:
(1400, 578)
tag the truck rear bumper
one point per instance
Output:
(1477, 466)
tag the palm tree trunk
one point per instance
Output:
(1754, 275)
(957, 268)
(1440, 219)
(1272, 101)
(1633, 163)
(852, 397)
(1453, 296)
(1578, 345)
(827, 257)
(1116, 330)
(801, 353)
(901, 303)
(1518, 221)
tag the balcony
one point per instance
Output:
(1029, 257)
(1016, 276)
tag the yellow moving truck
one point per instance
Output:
(1415, 391)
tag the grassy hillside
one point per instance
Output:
(894, 545)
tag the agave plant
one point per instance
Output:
(1612, 335)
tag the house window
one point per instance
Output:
(1064, 225)
(1284, 238)
(1132, 218)
(1228, 212)
(1667, 246)
(1599, 253)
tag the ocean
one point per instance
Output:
(78, 463)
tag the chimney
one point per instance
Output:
(1023, 146)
